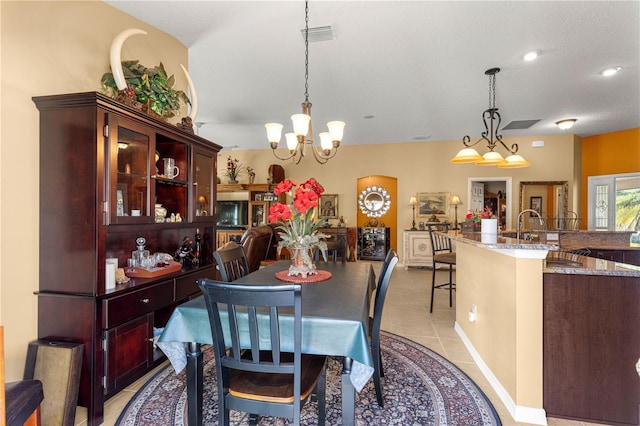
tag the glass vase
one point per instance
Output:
(302, 262)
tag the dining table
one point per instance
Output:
(335, 321)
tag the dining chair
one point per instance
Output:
(254, 375)
(381, 293)
(231, 261)
(442, 254)
(335, 248)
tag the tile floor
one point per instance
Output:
(406, 313)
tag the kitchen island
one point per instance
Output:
(500, 315)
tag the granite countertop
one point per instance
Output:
(575, 264)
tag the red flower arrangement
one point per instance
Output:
(477, 215)
(297, 222)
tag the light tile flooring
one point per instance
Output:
(406, 313)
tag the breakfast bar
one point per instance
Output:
(503, 317)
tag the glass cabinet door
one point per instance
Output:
(203, 184)
(129, 170)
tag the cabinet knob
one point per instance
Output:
(144, 300)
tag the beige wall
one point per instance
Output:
(419, 167)
(63, 47)
(49, 48)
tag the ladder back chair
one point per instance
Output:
(254, 375)
(442, 254)
(231, 261)
(381, 293)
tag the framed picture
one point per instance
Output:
(269, 196)
(257, 197)
(329, 206)
(535, 203)
(433, 203)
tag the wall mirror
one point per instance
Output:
(374, 201)
(552, 195)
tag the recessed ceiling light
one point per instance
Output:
(566, 124)
(610, 71)
(530, 56)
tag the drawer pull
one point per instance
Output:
(144, 300)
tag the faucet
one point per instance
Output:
(520, 225)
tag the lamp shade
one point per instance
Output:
(413, 201)
(514, 161)
(325, 140)
(292, 141)
(336, 130)
(466, 155)
(491, 158)
(455, 200)
(274, 132)
(300, 124)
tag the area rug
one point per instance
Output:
(420, 388)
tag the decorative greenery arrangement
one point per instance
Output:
(148, 86)
(234, 169)
(298, 221)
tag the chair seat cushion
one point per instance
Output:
(448, 258)
(277, 387)
(22, 399)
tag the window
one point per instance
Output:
(614, 203)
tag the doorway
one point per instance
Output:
(493, 191)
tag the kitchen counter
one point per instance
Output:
(568, 265)
(499, 310)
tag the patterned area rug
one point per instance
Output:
(420, 388)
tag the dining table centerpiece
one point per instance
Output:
(298, 225)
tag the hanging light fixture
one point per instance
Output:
(491, 118)
(302, 130)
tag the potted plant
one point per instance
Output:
(148, 89)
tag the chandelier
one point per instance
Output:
(302, 130)
(491, 119)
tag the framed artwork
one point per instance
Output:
(257, 197)
(433, 203)
(535, 203)
(269, 196)
(329, 206)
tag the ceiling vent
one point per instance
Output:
(324, 33)
(520, 124)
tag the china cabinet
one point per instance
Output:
(373, 243)
(110, 174)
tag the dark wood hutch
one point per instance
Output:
(101, 174)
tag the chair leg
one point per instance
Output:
(34, 418)
(433, 286)
(381, 366)
(377, 366)
(450, 285)
(321, 393)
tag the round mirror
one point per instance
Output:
(374, 201)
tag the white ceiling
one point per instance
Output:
(416, 66)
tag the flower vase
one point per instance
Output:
(490, 226)
(232, 182)
(302, 262)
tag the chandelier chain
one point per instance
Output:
(306, 51)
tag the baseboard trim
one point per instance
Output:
(522, 414)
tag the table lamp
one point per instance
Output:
(455, 201)
(413, 202)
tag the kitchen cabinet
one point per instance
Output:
(103, 171)
(591, 347)
(629, 256)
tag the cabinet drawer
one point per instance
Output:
(128, 306)
(186, 285)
